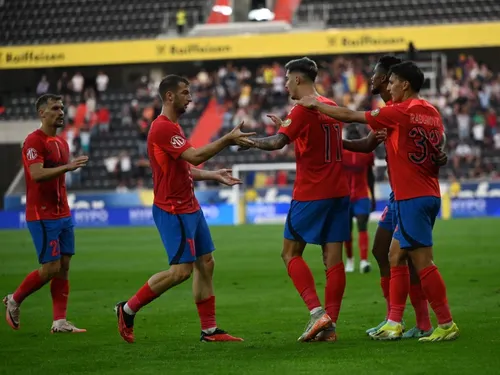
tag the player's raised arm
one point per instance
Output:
(223, 176)
(338, 113)
(39, 173)
(33, 153)
(197, 156)
(366, 144)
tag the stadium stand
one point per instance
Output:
(366, 13)
(469, 100)
(59, 21)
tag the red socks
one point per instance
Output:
(435, 291)
(59, 289)
(303, 280)
(399, 289)
(30, 284)
(385, 283)
(363, 245)
(419, 303)
(206, 312)
(348, 248)
(334, 290)
(144, 296)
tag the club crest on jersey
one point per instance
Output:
(177, 141)
(31, 154)
(286, 123)
(375, 112)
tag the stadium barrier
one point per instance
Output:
(223, 214)
(325, 42)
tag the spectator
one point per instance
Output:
(43, 86)
(142, 137)
(77, 83)
(103, 119)
(85, 139)
(101, 82)
(124, 168)
(181, 21)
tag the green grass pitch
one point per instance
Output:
(255, 299)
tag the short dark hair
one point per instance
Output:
(409, 71)
(305, 66)
(45, 99)
(387, 62)
(171, 83)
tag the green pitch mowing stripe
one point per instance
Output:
(255, 300)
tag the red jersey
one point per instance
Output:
(45, 200)
(414, 130)
(357, 165)
(318, 152)
(172, 180)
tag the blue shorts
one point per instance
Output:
(319, 222)
(415, 221)
(186, 237)
(52, 238)
(388, 219)
(361, 207)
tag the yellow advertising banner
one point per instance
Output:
(331, 41)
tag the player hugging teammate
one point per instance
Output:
(415, 142)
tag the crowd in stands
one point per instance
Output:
(469, 100)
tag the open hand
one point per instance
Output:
(225, 177)
(241, 139)
(380, 135)
(79, 162)
(442, 159)
(277, 121)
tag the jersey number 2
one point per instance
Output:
(327, 128)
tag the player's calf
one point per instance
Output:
(32, 282)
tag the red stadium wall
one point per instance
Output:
(208, 125)
(217, 17)
(285, 9)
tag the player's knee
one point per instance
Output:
(181, 272)
(50, 269)
(397, 258)
(362, 223)
(421, 258)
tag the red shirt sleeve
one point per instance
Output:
(294, 123)
(383, 118)
(172, 141)
(33, 150)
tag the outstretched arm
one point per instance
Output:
(341, 113)
(197, 156)
(222, 175)
(338, 113)
(367, 144)
(274, 142)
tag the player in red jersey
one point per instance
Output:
(45, 161)
(387, 225)
(319, 211)
(359, 169)
(415, 140)
(177, 214)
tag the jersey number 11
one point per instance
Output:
(327, 128)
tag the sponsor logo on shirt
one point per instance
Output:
(375, 112)
(177, 141)
(286, 123)
(31, 154)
